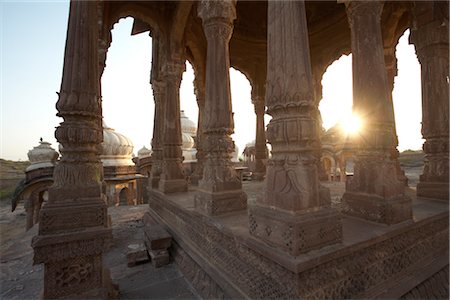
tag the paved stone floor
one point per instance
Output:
(21, 280)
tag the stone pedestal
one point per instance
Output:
(376, 192)
(296, 233)
(172, 178)
(220, 189)
(430, 36)
(294, 214)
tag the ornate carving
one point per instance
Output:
(76, 273)
(363, 9)
(435, 287)
(210, 11)
(71, 276)
(347, 275)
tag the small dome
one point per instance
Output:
(144, 152)
(251, 144)
(42, 156)
(187, 141)
(117, 149)
(187, 126)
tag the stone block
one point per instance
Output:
(137, 254)
(159, 258)
(296, 233)
(433, 190)
(377, 209)
(216, 203)
(156, 237)
(173, 185)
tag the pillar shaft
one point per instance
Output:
(431, 39)
(375, 192)
(199, 90)
(258, 100)
(172, 175)
(220, 189)
(159, 93)
(391, 71)
(291, 215)
(73, 225)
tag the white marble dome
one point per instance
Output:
(117, 149)
(144, 152)
(251, 144)
(42, 156)
(187, 126)
(187, 141)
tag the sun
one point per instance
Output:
(351, 124)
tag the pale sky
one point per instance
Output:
(32, 40)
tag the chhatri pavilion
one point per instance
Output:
(281, 239)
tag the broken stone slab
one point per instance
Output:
(159, 258)
(156, 237)
(137, 254)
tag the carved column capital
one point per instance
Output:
(356, 9)
(217, 17)
(259, 105)
(174, 68)
(222, 11)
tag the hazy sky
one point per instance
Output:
(32, 40)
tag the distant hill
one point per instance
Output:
(11, 172)
(411, 158)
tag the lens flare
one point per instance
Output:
(351, 125)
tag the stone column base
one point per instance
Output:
(216, 203)
(173, 185)
(377, 209)
(73, 264)
(154, 182)
(258, 176)
(296, 233)
(195, 179)
(433, 190)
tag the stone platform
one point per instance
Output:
(373, 261)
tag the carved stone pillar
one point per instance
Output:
(73, 225)
(172, 176)
(391, 69)
(258, 100)
(199, 90)
(159, 93)
(317, 85)
(375, 192)
(430, 36)
(220, 189)
(291, 215)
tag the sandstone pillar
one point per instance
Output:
(73, 225)
(159, 92)
(391, 70)
(220, 189)
(199, 90)
(430, 36)
(258, 99)
(172, 176)
(292, 215)
(375, 192)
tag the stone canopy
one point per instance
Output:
(286, 240)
